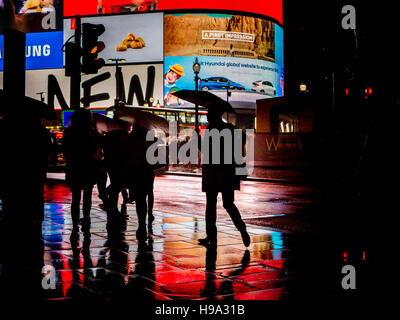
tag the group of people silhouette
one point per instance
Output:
(121, 154)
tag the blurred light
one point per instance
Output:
(363, 255)
(347, 92)
(303, 87)
(368, 91)
(196, 67)
(345, 256)
(282, 127)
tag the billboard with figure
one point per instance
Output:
(241, 57)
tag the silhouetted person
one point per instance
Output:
(80, 154)
(128, 168)
(114, 144)
(220, 178)
(140, 175)
(149, 196)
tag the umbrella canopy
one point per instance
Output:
(33, 108)
(105, 124)
(205, 99)
(144, 119)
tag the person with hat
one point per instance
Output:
(174, 73)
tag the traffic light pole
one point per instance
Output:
(76, 67)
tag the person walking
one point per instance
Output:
(80, 154)
(220, 178)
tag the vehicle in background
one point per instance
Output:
(264, 87)
(219, 83)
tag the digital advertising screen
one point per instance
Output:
(239, 54)
(37, 15)
(271, 8)
(43, 50)
(137, 38)
(140, 82)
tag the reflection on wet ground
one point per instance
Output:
(111, 262)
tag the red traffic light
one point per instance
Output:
(98, 48)
(91, 47)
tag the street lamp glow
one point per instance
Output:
(116, 59)
(196, 67)
(303, 87)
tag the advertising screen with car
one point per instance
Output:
(241, 57)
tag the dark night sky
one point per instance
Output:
(316, 42)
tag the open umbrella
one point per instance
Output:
(144, 119)
(32, 108)
(105, 124)
(205, 99)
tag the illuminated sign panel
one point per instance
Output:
(240, 56)
(43, 50)
(271, 8)
(140, 82)
(37, 15)
(135, 38)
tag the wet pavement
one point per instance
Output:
(170, 265)
(111, 264)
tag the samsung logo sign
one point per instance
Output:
(33, 51)
(38, 51)
(43, 50)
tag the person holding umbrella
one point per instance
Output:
(218, 177)
(80, 153)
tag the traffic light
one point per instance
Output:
(91, 48)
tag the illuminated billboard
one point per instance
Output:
(241, 57)
(136, 38)
(270, 8)
(37, 15)
(141, 83)
(43, 50)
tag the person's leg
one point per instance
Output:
(125, 197)
(101, 184)
(150, 204)
(211, 218)
(141, 210)
(114, 190)
(228, 198)
(131, 197)
(75, 208)
(87, 206)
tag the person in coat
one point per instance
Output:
(220, 178)
(80, 147)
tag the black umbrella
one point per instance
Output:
(31, 107)
(144, 119)
(106, 124)
(205, 99)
